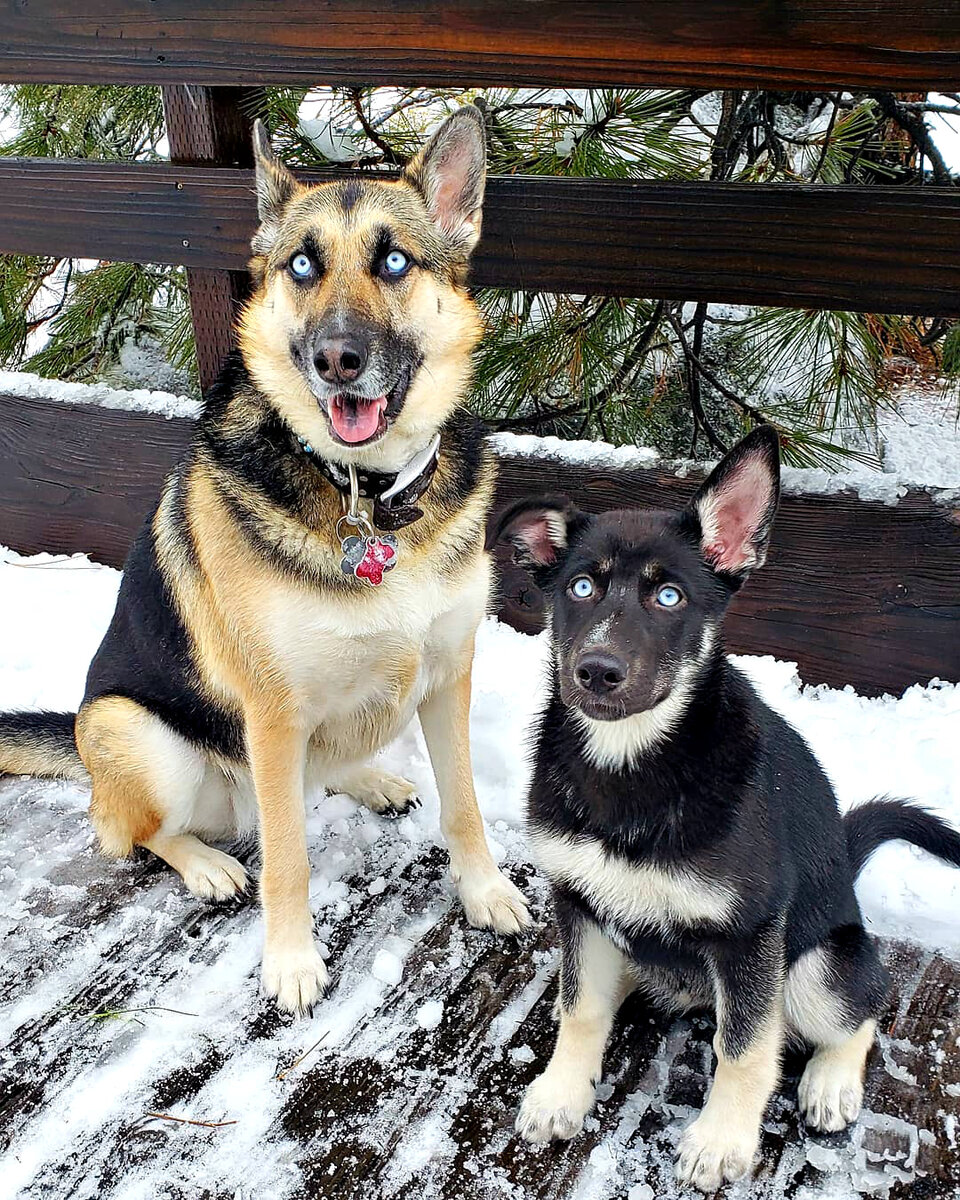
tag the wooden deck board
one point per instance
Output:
(384, 1108)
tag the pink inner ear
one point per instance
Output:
(537, 533)
(447, 199)
(731, 518)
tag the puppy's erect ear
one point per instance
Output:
(736, 505)
(541, 532)
(449, 173)
(275, 188)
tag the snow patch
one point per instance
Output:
(35, 387)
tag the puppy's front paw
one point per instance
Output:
(380, 791)
(554, 1107)
(491, 901)
(296, 979)
(716, 1148)
(831, 1091)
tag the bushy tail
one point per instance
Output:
(870, 825)
(40, 743)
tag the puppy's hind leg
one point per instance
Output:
(146, 779)
(832, 997)
(593, 984)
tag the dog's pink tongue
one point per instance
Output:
(356, 420)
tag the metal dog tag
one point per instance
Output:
(369, 558)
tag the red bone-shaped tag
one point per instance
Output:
(369, 558)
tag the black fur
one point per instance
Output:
(732, 792)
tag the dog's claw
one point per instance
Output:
(492, 901)
(297, 981)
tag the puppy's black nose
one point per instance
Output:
(340, 359)
(599, 672)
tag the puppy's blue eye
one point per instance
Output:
(582, 587)
(301, 265)
(669, 596)
(396, 263)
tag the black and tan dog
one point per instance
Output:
(262, 639)
(692, 840)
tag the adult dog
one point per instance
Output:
(314, 572)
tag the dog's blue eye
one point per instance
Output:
(669, 596)
(301, 265)
(582, 587)
(396, 263)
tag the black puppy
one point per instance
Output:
(693, 842)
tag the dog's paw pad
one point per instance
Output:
(554, 1109)
(212, 875)
(491, 901)
(830, 1093)
(296, 980)
(715, 1150)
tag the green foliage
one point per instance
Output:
(687, 378)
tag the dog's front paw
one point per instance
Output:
(831, 1091)
(491, 901)
(554, 1107)
(716, 1148)
(295, 979)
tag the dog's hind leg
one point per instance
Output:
(594, 981)
(146, 782)
(832, 998)
(378, 790)
(489, 899)
(722, 1142)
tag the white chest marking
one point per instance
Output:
(634, 896)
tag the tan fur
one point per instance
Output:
(125, 807)
(318, 671)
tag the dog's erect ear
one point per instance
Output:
(541, 532)
(275, 188)
(449, 173)
(737, 503)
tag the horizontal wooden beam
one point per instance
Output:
(854, 592)
(898, 44)
(874, 249)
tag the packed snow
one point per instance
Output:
(38, 387)
(53, 611)
(919, 448)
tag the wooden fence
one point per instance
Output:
(856, 592)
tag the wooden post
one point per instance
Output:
(212, 127)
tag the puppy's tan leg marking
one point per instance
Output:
(380, 791)
(144, 779)
(489, 899)
(556, 1103)
(831, 1088)
(293, 971)
(722, 1142)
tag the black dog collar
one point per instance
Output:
(393, 495)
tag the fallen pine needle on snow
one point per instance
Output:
(306, 1054)
(186, 1121)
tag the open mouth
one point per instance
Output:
(357, 420)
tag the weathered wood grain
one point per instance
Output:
(899, 44)
(854, 592)
(212, 127)
(385, 1107)
(879, 249)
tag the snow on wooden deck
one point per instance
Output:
(121, 996)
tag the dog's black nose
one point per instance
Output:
(340, 359)
(599, 672)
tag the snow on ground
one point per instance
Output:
(184, 978)
(54, 610)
